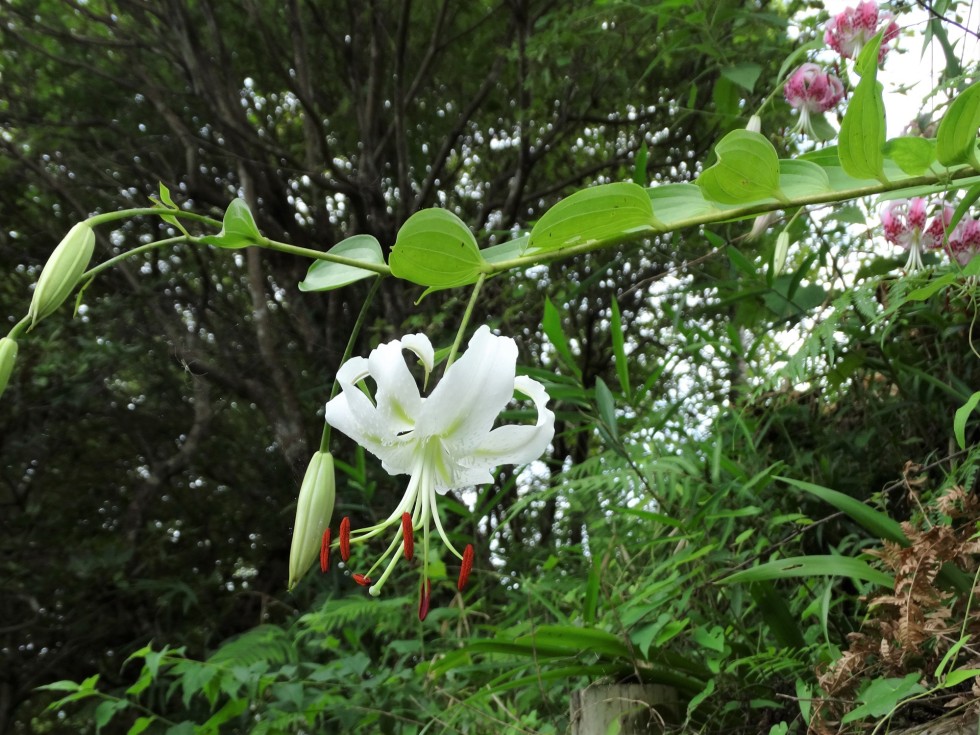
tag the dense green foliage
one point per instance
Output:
(151, 449)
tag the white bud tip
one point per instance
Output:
(374, 590)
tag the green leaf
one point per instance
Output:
(913, 155)
(591, 595)
(140, 725)
(435, 248)
(508, 250)
(564, 640)
(551, 323)
(598, 214)
(61, 686)
(676, 203)
(862, 131)
(165, 201)
(238, 228)
(802, 178)
(959, 676)
(324, 275)
(747, 170)
(933, 287)
(961, 417)
(812, 566)
(879, 524)
(744, 75)
(640, 165)
(619, 348)
(607, 407)
(777, 615)
(106, 711)
(956, 139)
(231, 709)
(882, 696)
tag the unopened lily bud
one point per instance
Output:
(313, 511)
(779, 257)
(755, 124)
(760, 225)
(62, 271)
(8, 355)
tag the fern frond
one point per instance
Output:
(268, 643)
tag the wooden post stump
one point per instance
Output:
(639, 709)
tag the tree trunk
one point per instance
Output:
(637, 708)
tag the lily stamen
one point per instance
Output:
(345, 539)
(407, 535)
(325, 551)
(464, 570)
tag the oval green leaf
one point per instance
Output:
(747, 170)
(913, 155)
(802, 178)
(435, 248)
(594, 215)
(675, 203)
(956, 139)
(238, 228)
(325, 276)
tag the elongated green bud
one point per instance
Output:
(8, 356)
(779, 256)
(313, 511)
(62, 271)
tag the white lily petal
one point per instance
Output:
(353, 371)
(422, 347)
(354, 414)
(516, 444)
(360, 423)
(476, 387)
(397, 397)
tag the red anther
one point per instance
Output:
(325, 551)
(424, 598)
(345, 539)
(362, 580)
(408, 535)
(466, 568)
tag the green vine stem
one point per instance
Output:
(465, 320)
(355, 331)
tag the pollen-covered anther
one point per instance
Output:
(362, 580)
(466, 567)
(345, 539)
(425, 597)
(325, 551)
(408, 536)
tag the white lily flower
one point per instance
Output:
(444, 441)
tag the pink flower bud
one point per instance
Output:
(848, 32)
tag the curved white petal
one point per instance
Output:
(397, 397)
(422, 347)
(515, 444)
(463, 407)
(353, 413)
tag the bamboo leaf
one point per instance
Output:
(870, 519)
(812, 566)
